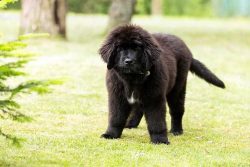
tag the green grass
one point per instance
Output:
(67, 123)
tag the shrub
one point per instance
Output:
(12, 60)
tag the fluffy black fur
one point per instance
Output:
(144, 72)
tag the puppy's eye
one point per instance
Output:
(138, 43)
(138, 47)
(118, 49)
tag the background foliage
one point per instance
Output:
(197, 8)
(170, 7)
(187, 7)
(89, 6)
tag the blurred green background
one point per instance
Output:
(198, 8)
(66, 124)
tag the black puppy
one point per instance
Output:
(144, 72)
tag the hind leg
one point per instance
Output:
(176, 97)
(134, 118)
(176, 101)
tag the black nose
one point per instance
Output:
(128, 61)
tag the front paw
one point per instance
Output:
(159, 140)
(176, 132)
(108, 136)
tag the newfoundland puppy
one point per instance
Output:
(144, 72)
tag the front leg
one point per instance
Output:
(119, 110)
(155, 114)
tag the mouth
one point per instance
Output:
(131, 71)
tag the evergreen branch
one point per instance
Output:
(10, 46)
(4, 88)
(8, 105)
(9, 110)
(18, 116)
(40, 87)
(17, 64)
(3, 3)
(16, 54)
(7, 70)
(14, 140)
(30, 36)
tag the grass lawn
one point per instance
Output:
(67, 123)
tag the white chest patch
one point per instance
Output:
(132, 100)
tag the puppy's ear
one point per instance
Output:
(107, 52)
(152, 52)
(146, 60)
(111, 60)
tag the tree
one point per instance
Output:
(120, 12)
(44, 16)
(156, 7)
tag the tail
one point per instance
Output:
(203, 72)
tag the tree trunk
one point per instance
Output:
(120, 12)
(156, 7)
(47, 16)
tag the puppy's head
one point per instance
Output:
(130, 49)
